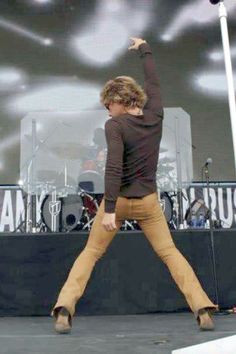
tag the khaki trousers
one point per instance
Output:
(149, 215)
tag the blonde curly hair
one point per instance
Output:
(124, 90)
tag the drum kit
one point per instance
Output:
(68, 208)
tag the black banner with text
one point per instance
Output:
(222, 198)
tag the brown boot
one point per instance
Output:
(63, 321)
(205, 321)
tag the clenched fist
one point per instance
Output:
(136, 43)
(109, 221)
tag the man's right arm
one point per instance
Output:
(152, 83)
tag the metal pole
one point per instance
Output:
(33, 180)
(179, 175)
(229, 72)
(53, 214)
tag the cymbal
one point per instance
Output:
(163, 149)
(165, 169)
(165, 160)
(47, 176)
(54, 177)
(72, 151)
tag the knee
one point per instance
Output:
(94, 252)
(167, 252)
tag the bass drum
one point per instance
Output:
(167, 206)
(71, 211)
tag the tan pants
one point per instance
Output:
(148, 213)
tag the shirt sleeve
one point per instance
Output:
(151, 81)
(114, 164)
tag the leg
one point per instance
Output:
(157, 232)
(98, 241)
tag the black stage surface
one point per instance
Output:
(135, 334)
(129, 279)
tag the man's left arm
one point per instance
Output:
(114, 168)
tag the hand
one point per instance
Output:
(109, 221)
(136, 43)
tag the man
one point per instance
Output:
(133, 135)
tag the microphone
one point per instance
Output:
(208, 162)
(215, 2)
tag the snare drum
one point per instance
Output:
(71, 210)
(167, 206)
(91, 181)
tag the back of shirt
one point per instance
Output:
(133, 143)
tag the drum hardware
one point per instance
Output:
(77, 211)
(30, 208)
(66, 210)
(91, 205)
(127, 225)
(85, 226)
(63, 218)
(22, 225)
(54, 209)
(167, 205)
(166, 180)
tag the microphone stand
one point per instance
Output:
(219, 312)
(206, 170)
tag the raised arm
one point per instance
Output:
(151, 79)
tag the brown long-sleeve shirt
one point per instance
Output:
(133, 143)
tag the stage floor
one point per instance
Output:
(144, 334)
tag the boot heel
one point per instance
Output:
(63, 322)
(205, 321)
